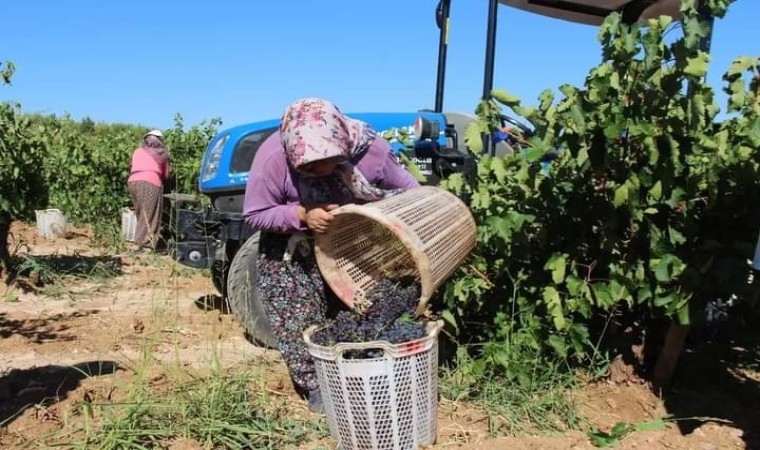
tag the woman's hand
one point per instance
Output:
(317, 218)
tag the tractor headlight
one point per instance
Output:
(211, 167)
(426, 129)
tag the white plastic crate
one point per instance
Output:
(128, 224)
(384, 403)
(51, 223)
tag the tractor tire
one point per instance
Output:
(244, 296)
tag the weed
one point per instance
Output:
(158, 260)
(165, 402)
(217, 411)
(620, 430)
(52, 269)
(108, 234)
(541, 405)
(10, 296)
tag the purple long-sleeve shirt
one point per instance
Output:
(272, 199)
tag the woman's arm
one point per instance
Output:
(165, 170)
(265, 206)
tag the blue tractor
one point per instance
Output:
(215, 237)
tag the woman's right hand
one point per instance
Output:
(318, 218)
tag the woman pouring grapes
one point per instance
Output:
(318, 160)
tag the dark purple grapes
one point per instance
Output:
(402, 331)
(390, 317)
(389, 299)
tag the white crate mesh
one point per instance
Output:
(425, 232)
(128, 224)
(51, 223)
(385, 403)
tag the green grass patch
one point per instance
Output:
(220, 409)
(52, 269)
(541, 404)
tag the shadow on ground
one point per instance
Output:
(38, 331)
(34, 271)
(213, 302)
(719, 380)
(21, 389)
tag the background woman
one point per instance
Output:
(149, 171)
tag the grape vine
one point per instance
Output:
(80, 166)
(650, 193)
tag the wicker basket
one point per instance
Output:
(425, 233)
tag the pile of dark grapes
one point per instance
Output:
(389, 316)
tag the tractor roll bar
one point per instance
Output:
(442, 13)
(493, 8)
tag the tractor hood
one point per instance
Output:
(593, 12)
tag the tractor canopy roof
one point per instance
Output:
(593, 12)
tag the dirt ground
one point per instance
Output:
(50, 338)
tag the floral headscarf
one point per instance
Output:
(313, 129)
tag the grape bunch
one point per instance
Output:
(389, 316)
(394, 297)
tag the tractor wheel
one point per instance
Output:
(243, 294)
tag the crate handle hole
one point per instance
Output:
(365, 353)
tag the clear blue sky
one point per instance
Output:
(142, 62)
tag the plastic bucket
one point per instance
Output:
(51, 223)
(384, 403)
(128, 224)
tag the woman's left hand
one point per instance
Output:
(318, 219)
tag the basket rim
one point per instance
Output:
(433, 330)
(395, 227)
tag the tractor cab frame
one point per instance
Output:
(586, 12)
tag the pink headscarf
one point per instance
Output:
(313, 129)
